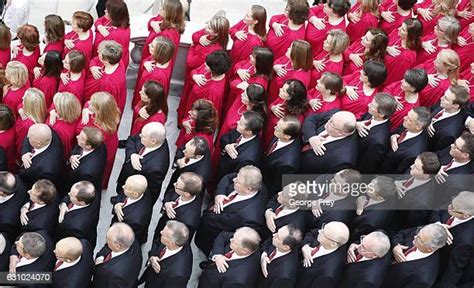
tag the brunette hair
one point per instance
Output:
(7, 119)
(220, 25)
(414, 33)
(378, 46)
(257, 95)
(83, 19)
(164, 50)
(174, 16)
(5, 37)
(118, 13)
(54, 28)
(333, 82)
(340, 7)
(156, 93)
(301, 55)
(53, 64)
(77, 61)
(297, 103)
(29, 37)
(260, 14)
(207, 119)
(263, 61)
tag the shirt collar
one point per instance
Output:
(245, 140)
(149, 150)
(24, 261)
(40, 150)
(116, 254)
(65, 265)
(130, 201)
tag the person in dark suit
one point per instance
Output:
(330, 142)
(279, 259)
(241, 146)
(40, 212)
(324, 255)
(417, 193)
(5, 246)
(368, 261)
(457, 258)
(374, 133)
(234, 261)
(87, 160)
(118, 263)
(240, 201)
(184, 205)
(417, 256)
(134, 207)
(3, 160)
(448, 118)
(283, 156)
(32, 252)
(147, 154)
(408, 142)
(79, 213)
(41, 156)
(12, 196)
(170, 258)
(74, 263)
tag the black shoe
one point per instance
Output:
(113, 200)
(122, 144)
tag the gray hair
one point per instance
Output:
(252, 177)
(180, 234)
(465, 202)
(383, 243)
(123, 234)
(251, 239)
(439, 236)
(156, 131)
(34, 244)
(385, 186)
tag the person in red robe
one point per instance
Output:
(467, 77)
(7, 136)
(107, 74)
(442, 73)
(103, 113)
(64, 116)
(429, 12)
(362, 16)
(288, 27)
(402, 49)
(169, 23)
(295, 64)
(209, 85)
(466, 46)
(201, 121)
(5, 45)
(248, 33)
(371, 47)
(73, 77)
(157, 67)
(152, 106)
(16, 75)
(331, 58)
(406, 92)
(28, 51)
(114, 25)
(465, 12)
(362, 87)
(47, 77)
(54, 34)
(80, 38)
(394, 12)
(324, 18)
(291, 101)
(325, 96)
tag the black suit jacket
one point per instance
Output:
(250, 153)
(285, 160)
(414, 208)
(339, 154)
(374, 217)
(282, 271)
(137, 215)
(78, 275)
(373, 147)
(120, 271)
(44, 263)
(446, 130)
(249, 212)
(154, 166)
(44, 218)
(5, 254)
(241, 272)
(10, 215)
(175, 270)
(46, 165)
(91, 168)
(3, 160)
(342, 210)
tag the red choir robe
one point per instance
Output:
(279, 45)
(390, 6)
(398, 65)
(183, 137)
(367, 21)
(21, 130)
(463, 5)
(359, 106)
(118, 34)
(428, 26)
(7, 142)
(75, 87)
(114, 83)
(13, 98)
(241, 49)
(277, 82)
(66, 132)
(170, 33)
(49, 86)
(325, 107)
(423, 56)
(83, 46)
(188, 85)
(54, 46)
(397, 117)
(30, 61)
(349, 66)
(160, 75)
(466, 52)
(429, 96)
(316, 37)
(331, 66)
(467, 75)
(5, 57)
(139, 122)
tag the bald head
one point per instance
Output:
(69, 248)
(377, 243)
(120, 237)
(135, 186)
(342, 123)
(39, 135)
(153, 134)
(463, 204)
(7, 183)
(337, 231)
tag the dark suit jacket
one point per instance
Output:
(5, 254)
(373, 147)
(339, 154)
(248, 212)
(415, 273)
(3, 160)
(285, 160)
(250, 153)
(44, 263)
(342, 210)
(137, 215)
(414, 209)
(241, 272)
(79, 275)
(446, 130)
(44, 218)
(154, 166)
(91, 168)
(282, 271)
(46, 165)
(10, 215)
(120, 271)
(175, 270)
(374, 217)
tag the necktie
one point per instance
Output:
(323, 135)
(438, 115)
(278, 210)
(58, 263)
(108, 257)
(32, 206)
(175, 203)
(314, 251)
(272, 147)
(229, 254)
(368, 122)
(162, 253)
(237, 141)
(230, 198)
(140, 152)
(450, 220)
(358, 257)
(186, 160)
(125, 201)
(272, 255)
(448, 165)
(402, 137)
(412, 249)
(70, 205)
(408, 182)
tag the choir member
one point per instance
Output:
(73, 77)
(54, 31)
(362, 16)
(287, 27)
(151, 108)
(468, 80)
(432, 10)
(80, 38)
(114, 25)
(326, 95)
(464, 12)
(47, 77)
(465, 46)
(394, 12)
(28, 51)
(7, 136)
(5, 45)
(31, 111)
(16, 75)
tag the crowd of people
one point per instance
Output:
(374, 93)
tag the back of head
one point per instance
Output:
(339, 232)
(121, 234)
(385, 186)
(94, 136)
(7, 182)
(219, 62)
(156, 131)
(294, 237)
(386, 104)
(34, 244)
(250, 238)
(464, 203)
(254, 121)
(293, 126)
(180, 233)
(438, 236)
(192, 182)
(417, 78)
(138, 183)
(41, 132)
(252, 177)
(382, 243)
(46, 189)
(70, 247)
(85, 191)
(430, 162)
(424, 117)
(201, 145)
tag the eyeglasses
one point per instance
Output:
(457, 147)
(322, 233)
(331, 123)
(451, 209)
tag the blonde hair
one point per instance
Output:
(371, 6)
(340, 41)
(451, 62)
(444, 7)
(107, 113)
(67, 106)
(34, 105)
(16, 73)
(220, 25)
